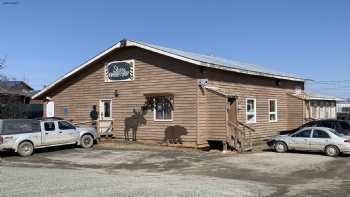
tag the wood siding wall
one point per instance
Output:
(290, 111)
(153, 74)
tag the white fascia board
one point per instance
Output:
(322, 99)
(92, 60)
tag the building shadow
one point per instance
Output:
(173, 134)
(133, 123)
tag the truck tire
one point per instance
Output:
(87, 141)
(25, 149)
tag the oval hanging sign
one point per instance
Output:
(119, 71)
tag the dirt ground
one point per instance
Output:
(140, 170)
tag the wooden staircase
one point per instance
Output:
(240, 136)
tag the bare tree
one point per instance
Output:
(3, 62)
(2, 66)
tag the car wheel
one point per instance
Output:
(87, 141)
(332, 151)
(281, 147)
(25, 149)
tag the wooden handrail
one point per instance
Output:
(234, 125)
(246, 126)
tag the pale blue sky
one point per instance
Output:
(45, 39)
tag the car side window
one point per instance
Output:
(304, 134)
(64, 125)
(49, 126)
(320, 134)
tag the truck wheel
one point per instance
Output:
(25, 149)
(87, 141)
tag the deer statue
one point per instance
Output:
(133, 123)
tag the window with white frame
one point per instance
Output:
(251, 110)
(273, 110)
(163, 108)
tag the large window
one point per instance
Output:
(163, 108)
(251, 110)
(273, 110)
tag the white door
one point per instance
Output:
(105, 117)
(50, 109)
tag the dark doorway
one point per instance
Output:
(232, 110)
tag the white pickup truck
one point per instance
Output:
(25, 135)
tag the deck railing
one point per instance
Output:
(240, 136)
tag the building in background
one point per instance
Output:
(320, 106)
(15, 92)
(15, 101)
(343, 110)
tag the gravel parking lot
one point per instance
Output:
(149, 171)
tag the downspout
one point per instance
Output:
(197, 105)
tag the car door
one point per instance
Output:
(68, 132)
(301, 140)
(319, 140)
(51, 134)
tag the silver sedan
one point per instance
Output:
(316, 139)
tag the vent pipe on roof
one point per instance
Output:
(123, 43)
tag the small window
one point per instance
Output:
(49, 126)
(163, 108)
(273, 110)
(303, 134)
(64, 125)
(251, 110)
(320, 134)
(107, 109)
(65, 111)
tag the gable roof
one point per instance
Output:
(15, 84)
(13, 88)
(193, 58)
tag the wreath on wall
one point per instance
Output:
(158, 103)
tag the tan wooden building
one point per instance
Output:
(162, 95)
